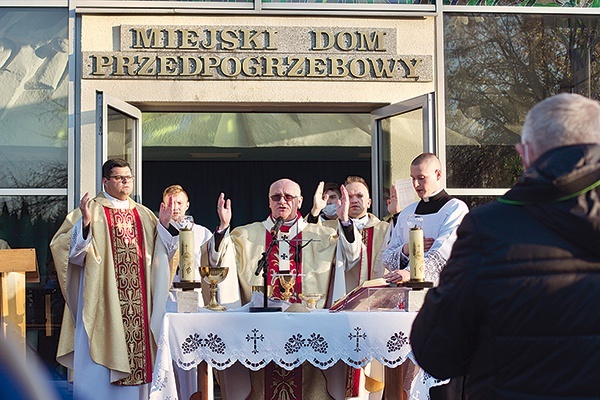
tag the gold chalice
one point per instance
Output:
(310, 299)
(287, 282)
(214, 276)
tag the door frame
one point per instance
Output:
(104, 101)
(426, 102)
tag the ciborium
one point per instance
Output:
(213, 276)
(287, 282)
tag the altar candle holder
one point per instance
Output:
(416, 254)
(187, 259)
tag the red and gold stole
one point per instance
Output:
(367, 239)
(285, 255)
(127, 239)
(353, 374)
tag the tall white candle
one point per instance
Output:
(186, 256)
(416, 254)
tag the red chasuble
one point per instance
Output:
(126, 237)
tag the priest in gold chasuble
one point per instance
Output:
(313, 251)
(113, 267)
(374, 234)
(367, 382)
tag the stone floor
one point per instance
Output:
(65, 390)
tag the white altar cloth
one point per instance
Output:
(288, 339)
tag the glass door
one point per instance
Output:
(119, 135)
(401, 131)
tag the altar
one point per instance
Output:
(253, 340)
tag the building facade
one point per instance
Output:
(228, 96)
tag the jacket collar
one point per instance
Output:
(558, 175)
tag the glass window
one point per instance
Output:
(295, 1)
(498, 66)
(33, 97)
(475, 201)
(31, 222)
(181, 1)
(527, 3)
(402, 135)
(33, 154)
(354, 1)
(241, 154)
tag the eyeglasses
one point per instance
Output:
(287, 197)
(122, 178)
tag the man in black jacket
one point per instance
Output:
(516, 312)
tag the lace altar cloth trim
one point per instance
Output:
(288, 339)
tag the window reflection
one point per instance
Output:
(301, 1)
(256, 129)
(497, 67)
(33, 97)
(33, 154)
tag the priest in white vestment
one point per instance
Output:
(314, 252)
(113, 268)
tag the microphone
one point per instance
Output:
(277, 226)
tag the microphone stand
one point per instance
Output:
(262, 266)
(297, 244)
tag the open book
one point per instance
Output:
(373, 295)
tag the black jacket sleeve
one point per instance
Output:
(444, 333)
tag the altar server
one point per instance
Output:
(325, 202)
(178, 197)
(437, 213)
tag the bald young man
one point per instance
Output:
(441, 214)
